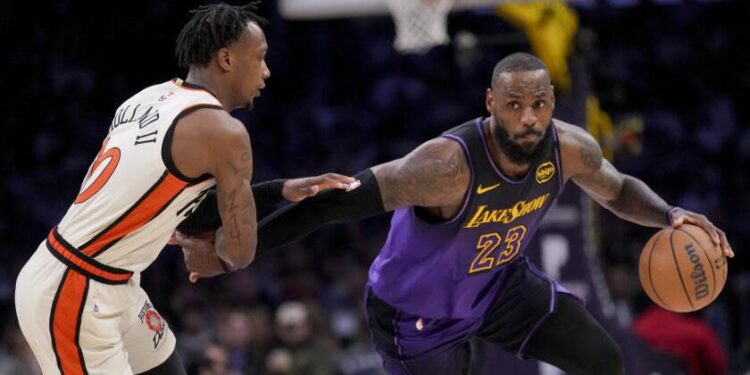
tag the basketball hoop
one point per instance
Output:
(420, 24)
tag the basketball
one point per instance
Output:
(681, 269)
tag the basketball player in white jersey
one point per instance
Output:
(78, 299)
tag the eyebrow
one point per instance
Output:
(516, 95)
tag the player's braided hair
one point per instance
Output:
(518, 62)
(213, 27)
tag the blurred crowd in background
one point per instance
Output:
(673, 78)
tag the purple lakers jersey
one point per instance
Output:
(453, 268)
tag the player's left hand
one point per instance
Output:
(681, 216)
(200, 255)
(297, 189)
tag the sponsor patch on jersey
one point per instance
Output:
(153, 321)
(545, 172)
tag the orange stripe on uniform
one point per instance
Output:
(65, 322)
(71, 257)
(151, 204)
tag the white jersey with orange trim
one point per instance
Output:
(133, 197)
(78, 298)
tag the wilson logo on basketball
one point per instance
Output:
(698, 275)
(545, 172)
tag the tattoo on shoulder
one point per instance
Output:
(427, 181)
(590, 158)
(242, 170)
(458, 164)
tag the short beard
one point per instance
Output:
(516, 152)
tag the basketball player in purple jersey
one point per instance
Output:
(466, 206)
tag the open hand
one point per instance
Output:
(297, 189)
(681, 216)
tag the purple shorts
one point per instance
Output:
(412, 345)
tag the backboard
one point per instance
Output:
(327, 9)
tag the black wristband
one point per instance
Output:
(269, 191)
(267, 195)
(669, 214)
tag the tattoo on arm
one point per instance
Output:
(592, 172)
(626, 196)
(234, 230)
(237, 207)
(431, 176)
(237, 200)
(604, 183)
(591, 159)
(233, 206)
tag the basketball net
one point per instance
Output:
(420, 24)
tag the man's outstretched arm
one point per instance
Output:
(626, 196)
(435, 175)
(268, 194)
(201, 233)
(286, 225)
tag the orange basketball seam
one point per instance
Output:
(677, 265)
(651, 279)
(710, 264)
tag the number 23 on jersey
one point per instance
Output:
(487, 258)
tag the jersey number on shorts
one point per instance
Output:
(111, 157)
(487, 259)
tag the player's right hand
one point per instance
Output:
(200, 255)
(297, 189)
(682, 216)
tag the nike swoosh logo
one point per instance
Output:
(481, 190)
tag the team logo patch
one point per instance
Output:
(545, 172)
(153, 321)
